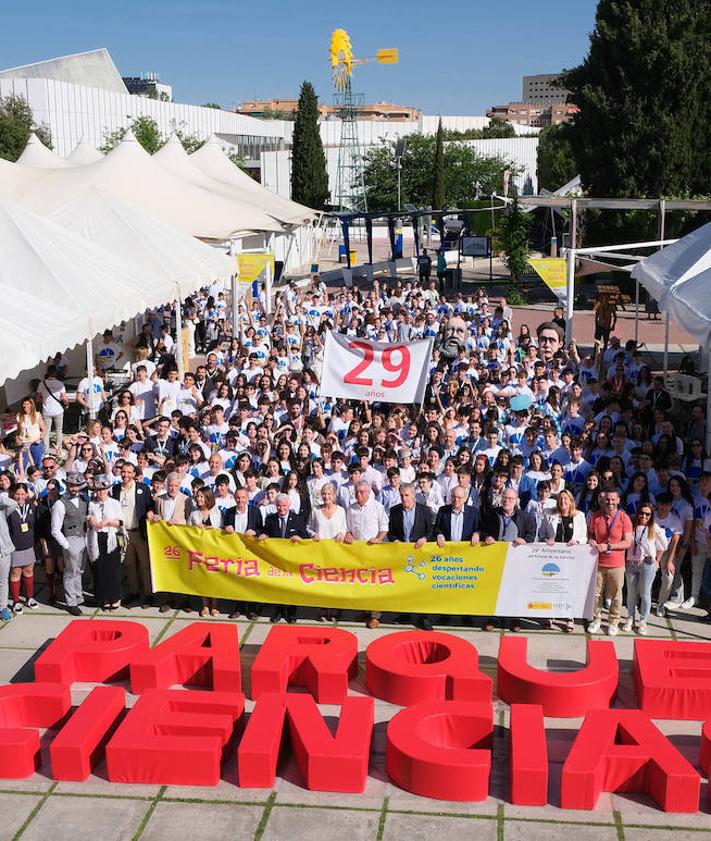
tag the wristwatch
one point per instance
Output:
(609, 547)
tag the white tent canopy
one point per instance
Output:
(37, 155)
(685, 258)
(123, 229)
(213, 162)
(132, 175)
(80, 286)
(85, 153)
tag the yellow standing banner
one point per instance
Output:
(251, 266)
(553, 271)
(498, 579)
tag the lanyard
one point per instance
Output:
(610, 525)
(24, 512)
(638, 543)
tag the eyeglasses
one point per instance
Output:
(644, 513)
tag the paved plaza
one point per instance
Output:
(38, 807)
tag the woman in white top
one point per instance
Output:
(328, 522)
(206, 515)
(565, 524)
(649, 543)
(104, 521)
(31, 431)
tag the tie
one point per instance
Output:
(283, 526)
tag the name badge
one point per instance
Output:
(24, 527)
(124, 501)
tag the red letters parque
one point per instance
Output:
(439, 745)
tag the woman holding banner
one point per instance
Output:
(328, 523)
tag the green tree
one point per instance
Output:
(498, 128)
(556, 164)
(466, 174)
(212, 105)
(309, 178)
(644, 94)
(146, 131)
(438, 185)
(515, 233)
(16, 124)
(191, 142)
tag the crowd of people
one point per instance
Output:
(520, 438)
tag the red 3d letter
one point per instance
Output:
(412, 666)
(326, 762)
(528, 756)
(80, 744)
(202, 654)
(23, 706)
(621, 750)
(258, 751)
(91, 651)
(173, 737)
(673, 679)
(561, 694)
(705, 752)
(320, 659)
(441, 749)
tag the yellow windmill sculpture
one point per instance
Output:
(350, 187)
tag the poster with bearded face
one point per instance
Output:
(455, 338)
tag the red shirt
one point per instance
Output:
(603, 530)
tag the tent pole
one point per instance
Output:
(90, 374)
(636, 310)
(666, 345)
(570, 295)
(235, 306)
(179, 338)
(268, 288)
(708, 400)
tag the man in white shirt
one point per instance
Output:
(90, 392)
(53, 397)
(144, 394)
(108, 353)
(68, 526)
(366, 520)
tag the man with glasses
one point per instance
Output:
(610, 531)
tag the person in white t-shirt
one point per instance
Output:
(53, 396)
(143, 391)
(167, 392)
(108, 354)
(90, 392)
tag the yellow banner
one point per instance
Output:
(554, 273)
(459, 579)
(251, 266)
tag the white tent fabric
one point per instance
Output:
(85, 153)
(685, 258)
(78, 285)
(212, 161)
(37, 155)
(130, 173)
(121, 228)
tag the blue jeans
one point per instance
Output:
(639, 586)
(37, 451)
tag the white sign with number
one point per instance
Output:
(359, 369)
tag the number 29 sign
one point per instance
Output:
(359, 369)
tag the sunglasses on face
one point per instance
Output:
(645, 514)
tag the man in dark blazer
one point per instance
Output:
(136, 502)
(411, 522)
(287, 525)
(243, 518)
(457, 519)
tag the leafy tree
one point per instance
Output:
(191, 142)
(237, 159)
(644, 93)
(438, 186)
(212, 105)
(467, 174)
(515, 233)
(146, 131)
(16, 124)
(498, 128)
(556, 164)
(309, 178)
(276, 114)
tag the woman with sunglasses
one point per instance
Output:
(648, 545)
(695, 461)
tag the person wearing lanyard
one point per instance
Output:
(648, 546)
(21, 525)
(610, 532)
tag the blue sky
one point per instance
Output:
(459, 62)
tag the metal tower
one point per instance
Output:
(350, 184)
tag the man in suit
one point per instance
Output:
(457, 521)
(507, 523)
(135, 502)
(411, 522)
(245, 519)
(285, 524)
(174, 507)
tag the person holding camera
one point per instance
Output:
(648, 545)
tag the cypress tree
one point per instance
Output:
(643, 93)
(309, 178)
(438, 194)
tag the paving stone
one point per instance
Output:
(429, 827)
(14, 811)
(641, 809)
(650, 834)
(304, 824)
(16, 665)
(28, 631)
(78, 818)
(226, 789)
(527, 831)
(202, 820)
